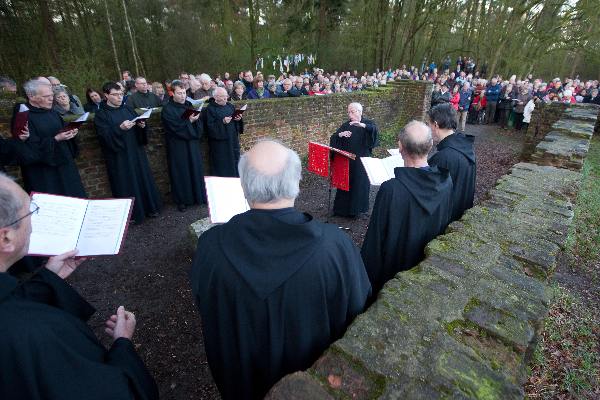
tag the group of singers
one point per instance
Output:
(274, 286)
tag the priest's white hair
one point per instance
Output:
(262, 188)
(32, 87)
(356, 106)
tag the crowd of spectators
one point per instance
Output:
(507, 102)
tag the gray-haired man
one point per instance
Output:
(47, 351)
(274, 286)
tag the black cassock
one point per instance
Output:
(12, 152)
(51, 165)
(223, 139)
(126, 161)
(275, 288)
(48, 351)
(183, 155)
(410, 210)
(361, 142)
(455, 153)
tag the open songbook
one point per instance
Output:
(380, 170)
(394, 152)
(189, 112)
(143, 117)
(197, 104)
(225, 198)
(76, 123)
(94, 227)
(239, 111)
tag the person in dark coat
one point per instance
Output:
(47, 351)
(223, 135)
(455, 153)
(410, 210)
(274, 286)
(122, 142)
(93, 100)
(51, 166)
(183, 150)
(143, 98)
(258, 90)
(358, 135)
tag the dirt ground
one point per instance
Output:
(150, 276)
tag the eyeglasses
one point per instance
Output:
(33, 209)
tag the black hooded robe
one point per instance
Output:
(51, 165)
(126, 161)
(275, 288)
(361, 142)
(184, 156)
(410, 210)
(456, 154)
(223, 139)
(48, 351)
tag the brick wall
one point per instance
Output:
(294, 121)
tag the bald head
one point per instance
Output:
(270, 174)
(268, 157)
(415, 140)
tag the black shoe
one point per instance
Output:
(181, 207)
(154, 214)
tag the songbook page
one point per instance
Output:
(225, 198)
(390, 163)
(375, 170)
(83, 117)
(56, 225)
(145, 115)
(103, 227)
(394, 152)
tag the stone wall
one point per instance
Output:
(294, 121)
(464, 322)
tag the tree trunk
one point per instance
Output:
(139, 67)
(49, 32)
(112, 40)
(252, 17)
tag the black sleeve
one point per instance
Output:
(110, 135)
(372, 136)
(122, 354)
(215, 125)
(48, 288)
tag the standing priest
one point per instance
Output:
(47, 351)
(359, 136)
(223, 135)
(274, 286)
(183, 150)
(456, 154)
(51, 153)
(122, 141)
(410, 209)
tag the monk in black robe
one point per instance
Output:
(122, 142)
(274, 286)
(456, 154)
(51, 166)
(223, 135)
(143, 97)
(359, 136)
(47, 351)
(410, 210)
(183, 150)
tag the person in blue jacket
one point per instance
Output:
(492, 93)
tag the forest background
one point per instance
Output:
(86, 42)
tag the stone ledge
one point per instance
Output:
(464, 322)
